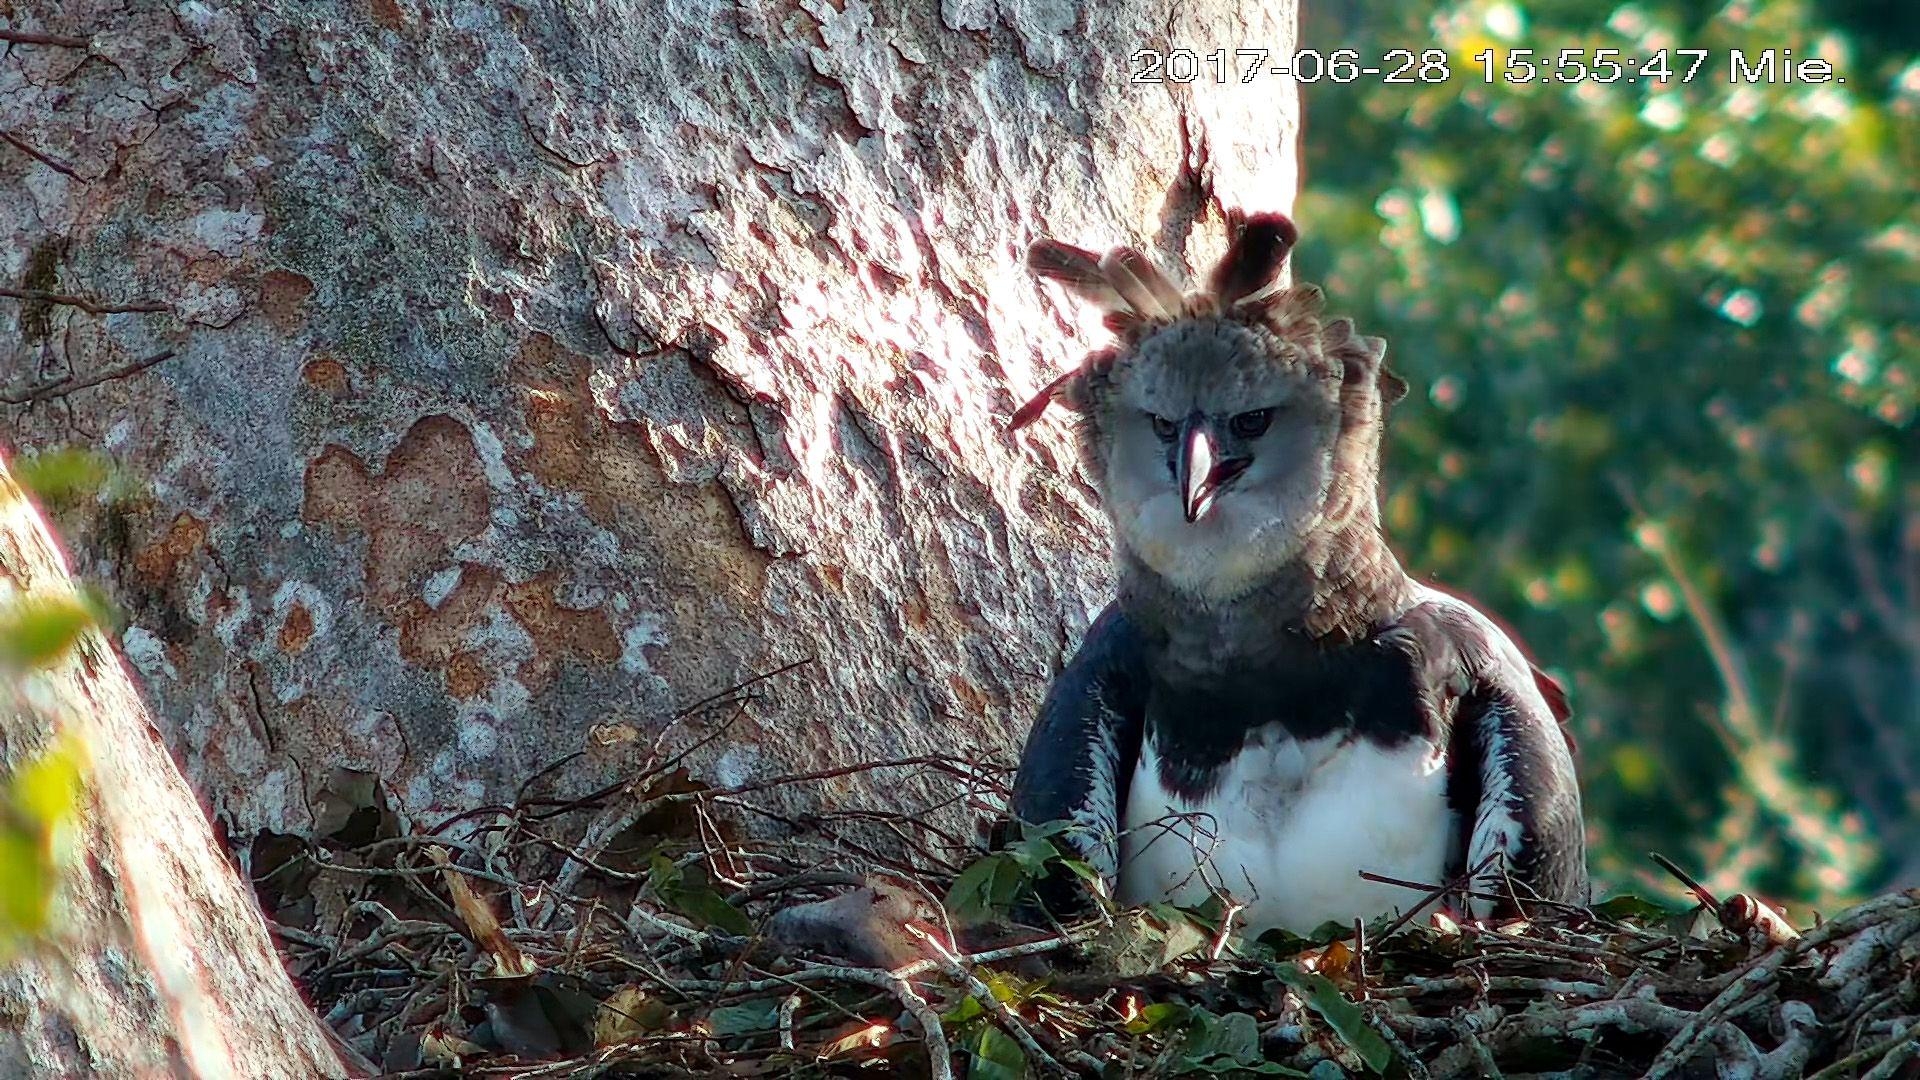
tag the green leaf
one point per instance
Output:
(690, 895)
(26, 888)
(987, 888)
(37, 632)
(967, 897)
(1629, 908)
(1032, 854)
(1283, 943)
(1330, 931)
(63, 475)
(1051, 829)
(662, 874)
(706, 907)
(1227, 1046)
(744, 1018)
(1082, 870)
(1343, 1016)
(995, 1056)
(46, 790)
(1159, 1015)
(968, 1009)
(1234, 1036)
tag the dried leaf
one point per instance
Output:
(627, 1016)
(482, 924)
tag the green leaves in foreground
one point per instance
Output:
(63, 476)
(1227, 1046)
(995, 1055)
(37, 631)
(37, 801)
(988, 888)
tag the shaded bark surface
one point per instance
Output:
(159, 963)
(539, 366)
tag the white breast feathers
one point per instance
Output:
(1289, 826)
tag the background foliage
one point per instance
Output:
(1664, 341)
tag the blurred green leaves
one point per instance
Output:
(63, 475)
(38, 798)
(37, 803)
(1700, 300)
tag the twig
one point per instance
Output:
(939, 1054)
(1736, 996)
(66, 385)
(945, 959)
(788, 1005)
(1420, 986)
(42, 156)
(86, 304)
(1433, 890)
(28, 37)
(1434, 893)
(1877, 1050)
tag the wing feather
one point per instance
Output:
(1079, 758)
(1513, 780)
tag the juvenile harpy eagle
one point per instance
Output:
(1271, 704)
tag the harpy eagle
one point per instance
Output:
(1271, 705)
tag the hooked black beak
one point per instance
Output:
(1199, 468)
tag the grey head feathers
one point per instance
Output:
(1135, 298)
(1228, 424)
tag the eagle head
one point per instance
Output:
(1227, 426)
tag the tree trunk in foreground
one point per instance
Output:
(158, 963)
(537, 366)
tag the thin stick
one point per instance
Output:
(84, 303)
(27, 37)
(1861, 1057)
(63, 386)
(42, 156)
(1682, 1046)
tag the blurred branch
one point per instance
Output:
(1895, 613)
(1743, 712)
(1766, 763)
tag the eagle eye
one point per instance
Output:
(1251, 425)
(1163, 427)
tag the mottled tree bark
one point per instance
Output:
(539, 365)
(158, 963)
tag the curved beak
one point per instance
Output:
(1200, 469)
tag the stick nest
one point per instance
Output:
(638, 931)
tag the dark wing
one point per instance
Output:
(1512, 778)
(1080, 755)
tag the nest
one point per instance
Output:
(634, 931)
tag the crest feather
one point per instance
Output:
(1141, 285)
(1061, 389)
(1076, 269)
(1037, 404)
(1251, 266)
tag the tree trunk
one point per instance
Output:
(538, 366)
(158, 961)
